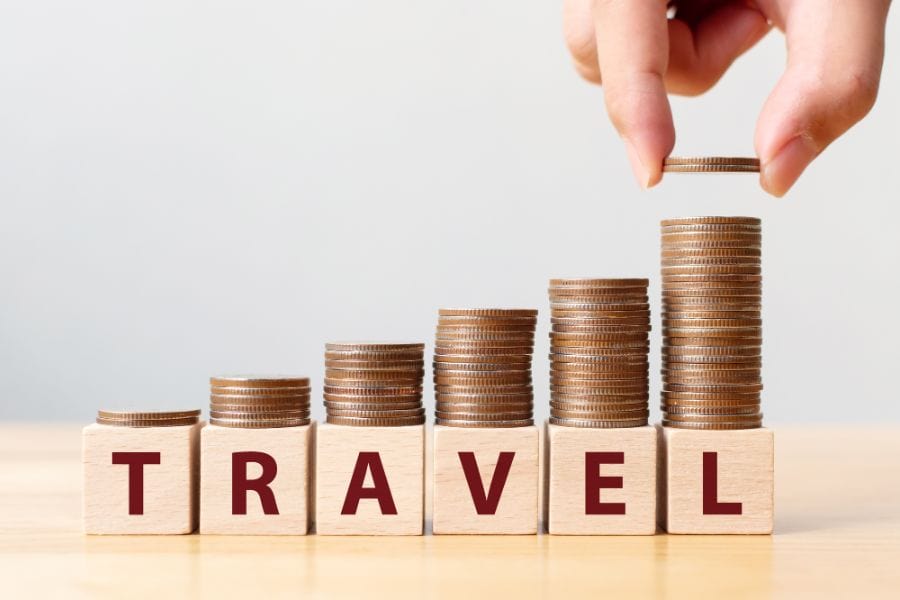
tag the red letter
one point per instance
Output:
(135, 462)
(486, 504)
(594, 482)
(240, 485)
(711, 504)
(380, 489)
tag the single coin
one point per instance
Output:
(600, 416)
(633, 358)
(148, 415)
(391, 405)
(479, 407)
(671, 397)
(259, 415)
(368, 375)
(365, 355)
(599, 282)
(451, 368)
(710, 410)
(406, 382)
(714, 388)
(711, 426)
(376, 421)
(487, 312)
(710, 227)
(401, 390)
(745, 365)
(720, 361)
(711, 261)
(130, 422)
(588, 399)
(695, 418)
(259, 424)
(259, 381)
(374, 346)
(598, 424)
(602, 329)
(367, 365)
(483, 417)
(500, 346)
(608, 406)
(710, 160)
(377, 414)
(465, 350)
(442, 338)
(218, 407)
(479, 320)
(705, 270)
(721, 341)
(484, 424)
(567, 385)
(368, 399)
(486, 378)
(601, 367)
(484, 398)
(457, 329)
(260, 392)
(710, 314)
(483, 358)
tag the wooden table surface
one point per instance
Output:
(837, 534)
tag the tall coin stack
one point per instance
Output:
(712, 326)
(599, 350)
(258, 402)
(374, 384)
(482, 367)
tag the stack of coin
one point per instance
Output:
(374, 384)
(712, 327)
(130, 418)
(258, 401)
(599, 347)
(482, 367)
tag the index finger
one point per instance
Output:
(633, 52)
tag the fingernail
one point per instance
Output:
(641, 174)
(782, 171)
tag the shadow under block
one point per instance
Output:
(718, 482)
(485, 480)
(255, 481)
(140, 480)
(602, 481)
(370, 480)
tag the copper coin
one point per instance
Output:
(259, 415)
(488, 312)
(699, 397)
(448, 368)
(374, 346)
(495, 359)
(365, 355)
(713, 341)
(136, 422)
(710, 160)
(285, 392)
(456, 329)
(394, 385)
(598, 366)
(483, 351)
(609, 415)
(376, 421)
(484, 424)
(711, 426)
(484, 378)
(484, 398)
(717, 261)
(366, 375)
(480, 336)
(714, 388)
(408, 364)
(500, 346)
(259, 381)
(402, 390)
(710, 410)
(598, 424)
(352, 405)
(564, 385)
(259, 424)
(357, 399)
(484, 407)
(596, 282)
(149, 415)
(380, 414)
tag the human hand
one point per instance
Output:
(835, 52)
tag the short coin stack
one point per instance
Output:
(258, 401)
(599, 347)
(712, 326)
(371, 384)
(128, 418)
(482, 367)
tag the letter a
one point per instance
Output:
(380, 490)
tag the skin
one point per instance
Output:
(835, 53)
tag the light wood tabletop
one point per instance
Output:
(837, 534)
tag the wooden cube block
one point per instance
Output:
(370, 480)
(718, 481)
(485, 480)
(602, 481)
(140, 479)
(255, 481)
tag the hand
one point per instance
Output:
(835, 53)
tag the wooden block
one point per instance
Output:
(485, 480)
(370, 480)
(718, 481)
(255, 481)
(140, 479)
(602, 481)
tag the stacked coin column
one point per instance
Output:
(370, 452)
(141, 472)
(599, 392)
(256, 450)
(484, 428)
(719, 462)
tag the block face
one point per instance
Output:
(391, 458)
(586, 468)
(168, 468)
(487, 452)
(734, 469)
(281, 472)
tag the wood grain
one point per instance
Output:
(567, 474)
(454, 510)
(837, 534)
(402, 455)
(169, 488)
(745, 466)
(289, 447)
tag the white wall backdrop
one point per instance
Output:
(189, 188)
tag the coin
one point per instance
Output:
(259, 381)
(259, 424)
(597, 423)
(484, 424)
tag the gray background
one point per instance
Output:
(205, 187)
